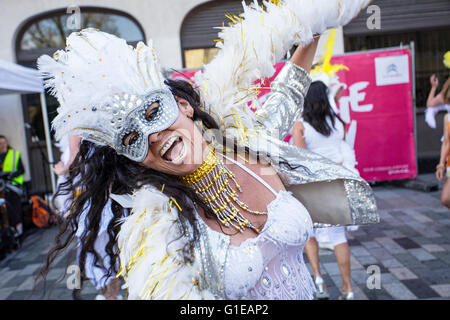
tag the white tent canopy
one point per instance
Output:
(16, 79)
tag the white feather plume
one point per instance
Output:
(151, 244)
(93, 68)
(254, 43)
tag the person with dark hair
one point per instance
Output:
(95, 265)
(322, 131)
(206, 178)
(12, 169)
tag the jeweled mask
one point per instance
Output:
(130, 117)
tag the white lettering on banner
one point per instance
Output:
(356, 95)
(400, 168)
(350, 136)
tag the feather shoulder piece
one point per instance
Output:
(250, 46)
(150, 249)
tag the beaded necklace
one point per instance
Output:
(212, 182)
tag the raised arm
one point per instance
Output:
(303, 57)
(288, 92)
(433, 99)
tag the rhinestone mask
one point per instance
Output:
(128, 113)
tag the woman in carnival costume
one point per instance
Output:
(220, 206)
(436, 103)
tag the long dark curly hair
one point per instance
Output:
(317, 109)
(99, 170)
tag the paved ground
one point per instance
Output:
(410, 248)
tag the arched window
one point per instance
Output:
(44, 34)
(47, 32)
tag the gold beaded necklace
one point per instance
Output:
(212, 182)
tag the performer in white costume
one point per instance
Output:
(320, 130)
(221, 207)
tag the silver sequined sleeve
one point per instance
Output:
(285, 102)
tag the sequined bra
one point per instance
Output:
(271, 265)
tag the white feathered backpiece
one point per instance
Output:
(253, 43)
(151, 252)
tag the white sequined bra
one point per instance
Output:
(271, 266)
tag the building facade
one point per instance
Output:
(183, 33)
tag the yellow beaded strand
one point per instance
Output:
(212, 182)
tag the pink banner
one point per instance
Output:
(377, 108)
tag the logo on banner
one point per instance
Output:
(391, 70)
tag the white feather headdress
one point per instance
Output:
(88, 77)
(95, 67)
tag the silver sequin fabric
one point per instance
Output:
(296, 167)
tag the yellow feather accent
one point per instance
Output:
(176, 203)
(326, 66)
(170, 288)
(447, 59)
(139, 66)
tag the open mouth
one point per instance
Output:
(173, 150)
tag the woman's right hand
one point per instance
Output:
(434, 81)
(440, 172)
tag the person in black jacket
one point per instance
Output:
(12, 170)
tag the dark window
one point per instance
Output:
(430, 47)
(198, 31)
(51, 32)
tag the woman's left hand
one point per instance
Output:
(440, 172)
